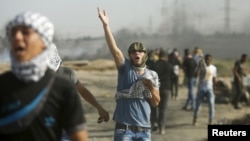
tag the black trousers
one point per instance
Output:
(174, 86)
(159, 113)
(239, 91)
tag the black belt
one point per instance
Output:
(131, 127)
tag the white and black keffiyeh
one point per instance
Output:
(35, 68)
(36, 21)
(138, 89)
(30, 71)
(54, 58)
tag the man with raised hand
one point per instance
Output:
(137, 89)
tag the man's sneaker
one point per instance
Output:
(184, 108)
(210, 122)
(237, 106)
(187, 109)
(191, 109)
(162, 131)
(154, 129)
(195, 122)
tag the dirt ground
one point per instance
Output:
(102, 83)
(179, 123)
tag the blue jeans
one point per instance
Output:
(65, 136)
(209, 94)
(128, 135)
(191, 97)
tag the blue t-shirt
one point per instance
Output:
(131, 111)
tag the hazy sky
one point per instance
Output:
(79, 17)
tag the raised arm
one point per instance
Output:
(115, 51)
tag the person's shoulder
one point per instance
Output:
(153, 72)
(236, 61)
(6, 75)
(158, 63)
(61, 80)
(65, 70)
(213, 66)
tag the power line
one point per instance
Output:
(227, 28)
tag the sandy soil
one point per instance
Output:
(101, 81)
(179, 123)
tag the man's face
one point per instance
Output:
(244, 59)
(26, 43)
(208, 60)
(136, 57)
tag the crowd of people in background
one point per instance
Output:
(199, 77)
(39, 98)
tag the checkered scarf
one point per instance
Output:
(35, 68)
(54, 58)
(36, 21)
(138, 89)
(32, 70)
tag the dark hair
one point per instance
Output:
(243, 55)
(186, 51)
(207, 56)
(162, 53)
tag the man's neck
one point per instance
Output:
(140, 70)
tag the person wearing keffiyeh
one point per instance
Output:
(36, 104)
(137, 89)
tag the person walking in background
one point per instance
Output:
(156, 54)
(165, 72)
(137, 89)
(184, 81)
(239, 73)
(55, 62)
(36, 104)
(197, 54)
(150, 61)
(207, 73)
(174, 60)
(189, 65)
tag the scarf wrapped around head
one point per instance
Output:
(36, 21)
(137, 46)
(35, 68)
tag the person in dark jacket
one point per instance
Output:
(189, 65)
(36, 104)
(239, 73)
(165, 72)
(174, 60)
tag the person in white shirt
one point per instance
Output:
(206, 73)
